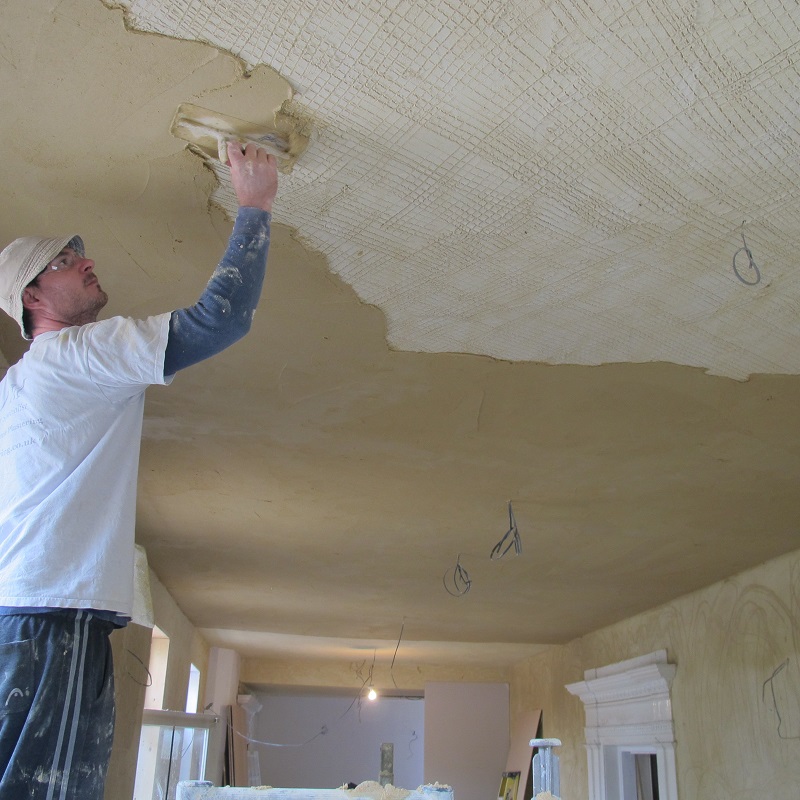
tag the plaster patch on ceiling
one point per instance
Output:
(562, 182)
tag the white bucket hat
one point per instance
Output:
(21, 262)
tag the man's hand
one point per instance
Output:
(254, 175)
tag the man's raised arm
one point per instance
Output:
(225, 310)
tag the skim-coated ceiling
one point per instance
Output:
(560, 182)
(505, 269)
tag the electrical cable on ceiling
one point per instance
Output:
(751, 264)
(500, 549)
(365, 681)
(460, 580)
(357, 669)
(391, 666)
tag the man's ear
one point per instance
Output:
(30, 296)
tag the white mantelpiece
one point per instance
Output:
(628, 713)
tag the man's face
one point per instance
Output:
(67, 290)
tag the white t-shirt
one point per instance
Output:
(70, 431)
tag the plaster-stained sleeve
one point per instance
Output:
(225, 310)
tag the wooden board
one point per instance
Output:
(238, 734)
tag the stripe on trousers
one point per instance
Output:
(71, 713)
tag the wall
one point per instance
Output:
(408, 677)
(466, 737)
(736, 693)
(131, 646)
(416, 677)
(349, 750)
(186, 647)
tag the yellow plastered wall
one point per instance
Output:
(131, 647)
(288, 672)
(186, 646)
(736, 693)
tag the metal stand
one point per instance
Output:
(546, 776)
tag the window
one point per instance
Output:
(193, 692)
(172, 748)
(173, 744)
(159, 657)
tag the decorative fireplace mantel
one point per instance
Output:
(628, 713)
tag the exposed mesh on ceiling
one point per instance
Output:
(562, 182)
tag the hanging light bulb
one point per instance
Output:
(372, 694)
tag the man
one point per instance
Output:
(70, 428)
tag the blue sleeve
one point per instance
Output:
(224, 312)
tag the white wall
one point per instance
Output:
(466, 737)
(349, 751)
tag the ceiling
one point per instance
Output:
(504, 270)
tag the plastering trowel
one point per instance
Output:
(208, 132)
